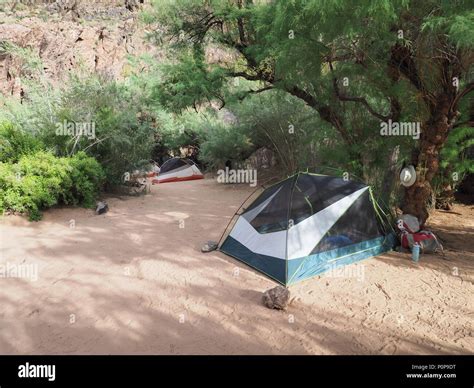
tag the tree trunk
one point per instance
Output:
(426, 158)
(390, 175)
(445, 193)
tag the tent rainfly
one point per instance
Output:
(306, 225)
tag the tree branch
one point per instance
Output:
(245, 75)
(360, 100)
(364, 102)
(462, 123)
(402, 63)
(326, 112)
(247, 93)
(468, 89)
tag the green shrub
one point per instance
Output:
(87, 178)
(123, 135)
(41, 180)
(14, 143)
(224, 142)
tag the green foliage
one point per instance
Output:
(87, 177)
(123, 135)
(454, 157)
(354, 67)
(189, 82)
(285, 124)
(175, 131)
(15, 143)
(331, 69)
(223, 142)
(454, 153)
(41, 180)
(457, 27)
(31, 62)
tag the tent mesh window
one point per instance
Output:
(313, 193)
(357, 224)
(269, 213)
(172, 164)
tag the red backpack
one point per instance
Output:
(411, 234)
(426, 240)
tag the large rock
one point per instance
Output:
(276, 298)
(261, 158)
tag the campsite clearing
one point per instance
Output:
(133, 280)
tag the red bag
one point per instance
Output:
(426, 240)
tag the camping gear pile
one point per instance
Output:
(411, 235)
(308, 224)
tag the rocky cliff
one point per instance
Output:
(96, 36)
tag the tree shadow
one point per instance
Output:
(132, 281)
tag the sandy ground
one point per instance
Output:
(134, 281)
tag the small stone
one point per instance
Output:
(276, 298)
(209, 246)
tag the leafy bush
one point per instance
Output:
(87, 177)
(120, 127)
(222, 143)
(123, 132)
(14, 143)
(455, 164)
(35, 182)
(454, 158)
(41, 180)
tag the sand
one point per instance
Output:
(133, 281)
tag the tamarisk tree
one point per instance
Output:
(391, 60)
